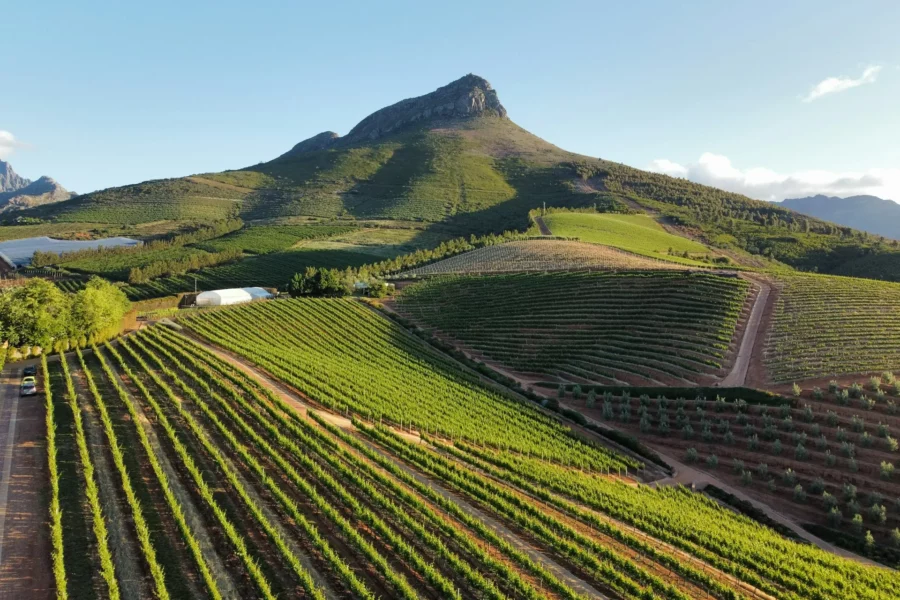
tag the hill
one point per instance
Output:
(455, 161)
(17, 192)
(641, 328)
(867, 213)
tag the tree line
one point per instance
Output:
(180, 266)
(199, 234)
(40, 314)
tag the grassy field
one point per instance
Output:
(641, 327)
(640, 234)
(263, 239)
(830, 326)
(383, 242)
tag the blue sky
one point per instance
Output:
(98, 94)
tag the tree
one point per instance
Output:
(318, 282)
(35, 314)
(99, 307)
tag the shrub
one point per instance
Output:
(576, 392)
(737, 465)
(800, 452)
(821, 443)
(797, 390)
(848, 449)
(687, 432)
(835, 516)
(712, 461)
(776, 447)
(762, 469)
(746, 477)
(561, 391)
(770, 485)
(849, 491)
(799, 493)
(887, 469)
(691, 455)
(817, 486)
(895, 537)
(817, 393)
(831, 418)
(878, 513)
(888, 377)
(828, 500)
(883, 430)
(830, 459)
(857, 523)
(591, 399)
(789, 476)
(874, 383)
(869, 542)
(891, 444)
(856, 390)
(853, 465)
(833, 386)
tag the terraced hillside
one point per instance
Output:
(540, 255)
(833, 326)
(651, 327)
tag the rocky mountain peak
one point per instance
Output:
(469, 96)
(10, 181)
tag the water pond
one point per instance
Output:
(19, 252)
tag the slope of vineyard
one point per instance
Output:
(635, 327)
(822, 461)
(625, 541)
(832, 326)
(540, 255)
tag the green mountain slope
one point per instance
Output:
(452, 159)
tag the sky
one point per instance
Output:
(770, 99)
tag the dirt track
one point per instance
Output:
(25, 570)
(738, 374)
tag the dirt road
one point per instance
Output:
(738, 375)
(542, 226)
(24, 494)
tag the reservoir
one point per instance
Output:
(19, 252)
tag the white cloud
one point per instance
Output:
(8, 143)
(765, 184)
(832, 85)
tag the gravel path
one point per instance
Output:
(738, 375)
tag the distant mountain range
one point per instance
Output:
(869, 213)
(17, 192)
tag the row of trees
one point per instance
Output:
(40, 314)
(180, 266)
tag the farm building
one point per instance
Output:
(232, 296)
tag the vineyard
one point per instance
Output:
(272, 238)
(831, 326)
(540, 255)
(639, 328)
(194, 478)
(826, 460)
(639, 234)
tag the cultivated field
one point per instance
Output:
(819, 459)
(640, 327)
(540, 255)
(183, 471)
(825, 327)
